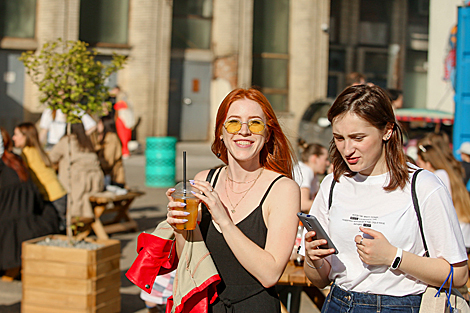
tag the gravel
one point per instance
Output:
(67, 244)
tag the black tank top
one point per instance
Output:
(239, 291)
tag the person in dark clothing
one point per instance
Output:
(23, 213)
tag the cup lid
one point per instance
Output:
(179, 188)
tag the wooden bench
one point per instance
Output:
(120, 206)
(295, 276)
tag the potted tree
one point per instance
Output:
(60, 273)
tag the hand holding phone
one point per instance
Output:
(312, 224)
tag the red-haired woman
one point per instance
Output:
(12, 160)
(249, 220)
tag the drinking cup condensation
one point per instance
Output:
(184, 195)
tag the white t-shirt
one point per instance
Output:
(305, 178)
(362, 201)
(465, 227)
(444, 177)
(57, 127)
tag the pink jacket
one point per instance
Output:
(196, 278)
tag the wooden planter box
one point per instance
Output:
(69, 280)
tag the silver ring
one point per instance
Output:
(360, 242)
(168, 208)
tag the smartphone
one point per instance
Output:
(312, 224)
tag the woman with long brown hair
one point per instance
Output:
(79, 169)
(441, 141)
(249, 219)
(366, 207)
(433, 159)
(40, 167)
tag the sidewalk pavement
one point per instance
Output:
(147, 211)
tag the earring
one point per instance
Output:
(218, 154)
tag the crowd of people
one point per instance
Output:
(45, 173)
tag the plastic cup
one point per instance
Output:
(184, 195)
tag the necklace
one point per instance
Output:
(234, 207)
(241, 182)
(231, 186)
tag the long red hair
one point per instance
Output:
(12, 160)
(277, 153)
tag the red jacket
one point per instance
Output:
(196, 278)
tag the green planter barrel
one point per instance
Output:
(160, 156)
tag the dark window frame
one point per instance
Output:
(102, 44)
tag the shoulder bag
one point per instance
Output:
(437, 300)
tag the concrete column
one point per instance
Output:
(232, 28)
(398, 41)
(146, 75)
(442, 17)
(54, 19)
(308, 63)
(349, 25)
(245, 51)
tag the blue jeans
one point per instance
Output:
(342, 301)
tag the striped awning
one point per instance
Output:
(425, 115)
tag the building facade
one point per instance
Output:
(184, 56)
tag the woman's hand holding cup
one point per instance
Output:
(211, 198)
(182, 207)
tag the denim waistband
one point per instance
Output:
(350, 297)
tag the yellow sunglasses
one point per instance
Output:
(233, 126)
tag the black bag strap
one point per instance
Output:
(330, 198)
(418, 213)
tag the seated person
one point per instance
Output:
(23, 213)
(86, 176)
(40, 168)
(109, 152)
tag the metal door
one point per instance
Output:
(11, 89)
(195, 101)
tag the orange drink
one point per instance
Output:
(183, 193)
(191, 207)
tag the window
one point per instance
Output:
(270, 50)
(374, 25)
(373, 63)
(335, 20)
(17, 18)
(192, 22)
(104, 22)
(336, 69)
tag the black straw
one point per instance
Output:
(184, 172)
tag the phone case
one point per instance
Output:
(312, 224)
